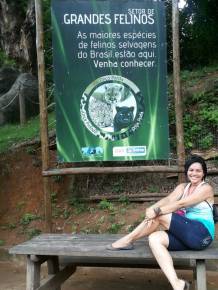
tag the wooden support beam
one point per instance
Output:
(32, 274)
(43, 113)
(115, 170)
(39, 259)
(177, 89)
(53, 268)
(148, 196)
(55, 281)
(111, 170)
(22, 107)
(201, 275)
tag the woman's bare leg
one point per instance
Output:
(145, 228)
(158, 242)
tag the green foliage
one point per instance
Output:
(12, 226)
(86, 230)
(66, 213)
(209, 113)
(91, 229)
(53, 197)
(57, 178)
(115, 228)
(101, 220)
(5, 60)
(91, 209)
(2, 242)
(56, 211)
(153, 188)
(198, 25)
(200, 117)
(200, 121)
(11, 134)
(117, 186)
(124, 199)
(33, 232)
(9, 226)
(78, 205)
(22, 4)
(74, 227)
(104, 204)
(31, 150)
(123, 211)
(27, 218)
(111, 219)
(207, 141)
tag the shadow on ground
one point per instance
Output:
(12, 277)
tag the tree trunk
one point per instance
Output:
(17, 33)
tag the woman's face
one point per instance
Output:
(195, 173)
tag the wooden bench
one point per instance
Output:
(63, 252)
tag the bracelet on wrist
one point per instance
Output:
(157, 211)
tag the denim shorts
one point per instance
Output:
(187, 234)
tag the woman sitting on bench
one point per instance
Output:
(186, 219)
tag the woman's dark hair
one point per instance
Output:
(194, 159)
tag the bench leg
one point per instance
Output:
(201, 282)
(33, 274)
(53, 267)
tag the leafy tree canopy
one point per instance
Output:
(199, 36)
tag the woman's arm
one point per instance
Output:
(172, 197)
(203, 193)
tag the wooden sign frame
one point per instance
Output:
(47, 171)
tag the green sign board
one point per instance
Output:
(110, 80)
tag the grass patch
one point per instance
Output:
(2, 243)
(115, 228)
(11, 134)
(9, 226)
(33, 233)
(104, 204)
(78, 205)
(27, 218)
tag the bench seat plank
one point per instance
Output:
(94, 246)
(90, 250)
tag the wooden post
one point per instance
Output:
(32, 274)
(177, 89)
(43, 113)
(201, 275)
(22, 108)
(53, 267)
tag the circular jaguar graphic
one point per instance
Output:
(112, 107)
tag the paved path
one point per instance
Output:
(13, 278)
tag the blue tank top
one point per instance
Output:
(201, 212)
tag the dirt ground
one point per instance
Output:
(22, 200)
(103, 279)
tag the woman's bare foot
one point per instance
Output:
(181, 285)
(123, 242)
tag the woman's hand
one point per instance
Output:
(150, 213)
